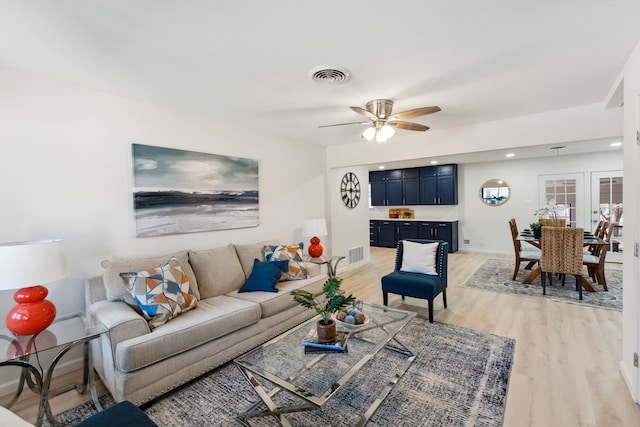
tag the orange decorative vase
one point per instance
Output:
(315, 250)
(326, 333)
(33, 313)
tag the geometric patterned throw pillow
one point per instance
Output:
(162, 293)
(291, 253)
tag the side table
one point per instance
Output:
(332, 263)
(65, 333)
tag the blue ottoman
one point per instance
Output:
(123, 414)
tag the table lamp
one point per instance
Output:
(30, 264)
(314, 228)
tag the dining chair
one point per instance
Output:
(560, 222)
(530, 256)
(595, 260)
(561, 253)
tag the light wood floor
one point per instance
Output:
(565, 370)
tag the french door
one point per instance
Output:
(606, 205)
(568, 192)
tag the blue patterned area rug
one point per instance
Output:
(459, 378)
(495, 275)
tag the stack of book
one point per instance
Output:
(312, 345)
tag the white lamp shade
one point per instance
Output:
(369, 133)
(31, 263)
(314, 227)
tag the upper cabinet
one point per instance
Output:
(430, 185)
(439, 185)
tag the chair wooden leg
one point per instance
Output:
(515, 271)
(579, 285)
(601, 279)
(430, 310)
(444, 298)
(385, 298)
(544, 282)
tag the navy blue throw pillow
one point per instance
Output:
(264, 276)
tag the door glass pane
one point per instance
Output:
(563, 191)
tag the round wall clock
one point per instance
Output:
(350, 190)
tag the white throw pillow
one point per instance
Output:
(419, 257)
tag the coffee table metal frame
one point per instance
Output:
(331, 370)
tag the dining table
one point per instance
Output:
(589, 240)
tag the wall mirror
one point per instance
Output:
(495, 192)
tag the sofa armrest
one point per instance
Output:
(121, 321)
(94, 290)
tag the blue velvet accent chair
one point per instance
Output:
(418, 285)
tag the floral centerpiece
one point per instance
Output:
(548, 210)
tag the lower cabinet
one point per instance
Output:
(446, 230)
(388, 233)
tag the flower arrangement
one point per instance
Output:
(548, 210)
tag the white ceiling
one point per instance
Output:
(246, 62)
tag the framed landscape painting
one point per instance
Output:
(178, 191)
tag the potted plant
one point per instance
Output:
(334, 300)
(536, 227)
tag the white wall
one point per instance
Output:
(630, 78)
(66, 173)
(486, 226)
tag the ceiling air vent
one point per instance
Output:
(329, 74)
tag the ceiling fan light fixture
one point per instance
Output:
(387, 131)
(380, 137)
(369, 133)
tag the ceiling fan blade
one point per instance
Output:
(408, 125)
(363, 112)
(416, 112)
(344, 124)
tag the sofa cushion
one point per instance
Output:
(117, 291)
(217, 270)
(162, 293)
(248, 252)
(214, 317)
(272, 303)
(264, 276)
(291, 253)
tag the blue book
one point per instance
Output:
(340, 343)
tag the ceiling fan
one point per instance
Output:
(382, 122)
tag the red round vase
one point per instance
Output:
(315, 250)
(33, 313)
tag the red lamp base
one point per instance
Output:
(315, 250)
(33, 313)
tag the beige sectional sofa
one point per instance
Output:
(138, 363)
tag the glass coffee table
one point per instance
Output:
(315, 377)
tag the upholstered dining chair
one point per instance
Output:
(420, 272)
(531, 256)
(561, 253)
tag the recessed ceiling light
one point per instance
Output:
(434, 162)
(380, 167)
(616, 144)
(510, 154)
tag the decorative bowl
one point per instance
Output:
(350, 326)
